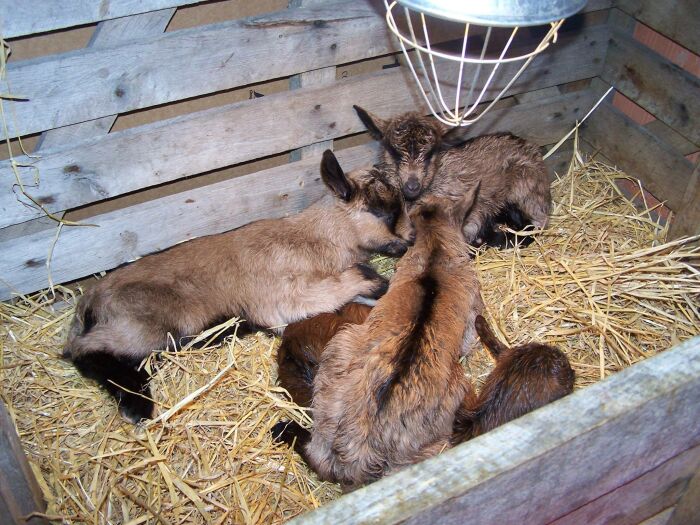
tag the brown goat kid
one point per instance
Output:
(303, 343)
(270, 272)
(525, 378)
(423, 156)
(386, 392)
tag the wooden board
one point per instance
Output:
(121, 236)
(641, 498)
(662, 170)
(207, 140)
(549, 462)
(687, 510)
(18, 18)
(91, 83)
(678, 22)
(664, 89)
(660, 519)
(19, 492)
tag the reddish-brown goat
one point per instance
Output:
(270, 272)
(386, 392)
(423, 156)
(525, 378)
(303, 343)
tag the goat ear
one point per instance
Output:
(453, 136)
(334, 177)
(464, 204)
(374, 124)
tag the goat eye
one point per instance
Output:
(393, 152)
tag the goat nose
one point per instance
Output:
(412, 186)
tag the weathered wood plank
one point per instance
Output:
(107, 33)
(160, 152)
(314, 78)
(37, 16)
(679, 22)
(671, 137)
(549, 462)
(686, 219)
(664, 172)
(20, 494)
(310, 79)
(660, 519)
(641, 498)
(596, 5)
(664, 89)
(122, 236)
(91, 83)
(687, 511)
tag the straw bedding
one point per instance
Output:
(601, 283)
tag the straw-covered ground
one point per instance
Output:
(601, 283)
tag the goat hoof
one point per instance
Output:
(394, 248)
(134, 408)
(284, 432)
(377, 285)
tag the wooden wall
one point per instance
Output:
(149, 133)
(661, 151)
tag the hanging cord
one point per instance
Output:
(4, 54)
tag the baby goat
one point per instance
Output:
(386, 392)
(525, 378)
(303, 343)
(424, 156)
(270, 272)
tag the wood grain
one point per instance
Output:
(92, 83)
(167, 150)
(641, 498)
(20, 494)
(678, 22)
(37, 16)
(664, 89)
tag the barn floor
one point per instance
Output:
(601, 283)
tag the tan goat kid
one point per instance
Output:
(270, 272)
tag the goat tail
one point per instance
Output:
(488, 338)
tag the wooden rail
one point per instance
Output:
(25, 17)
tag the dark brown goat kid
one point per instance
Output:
(386, 391)
(270, 272)
(423, 156)
(303, 343)
(525, 378)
